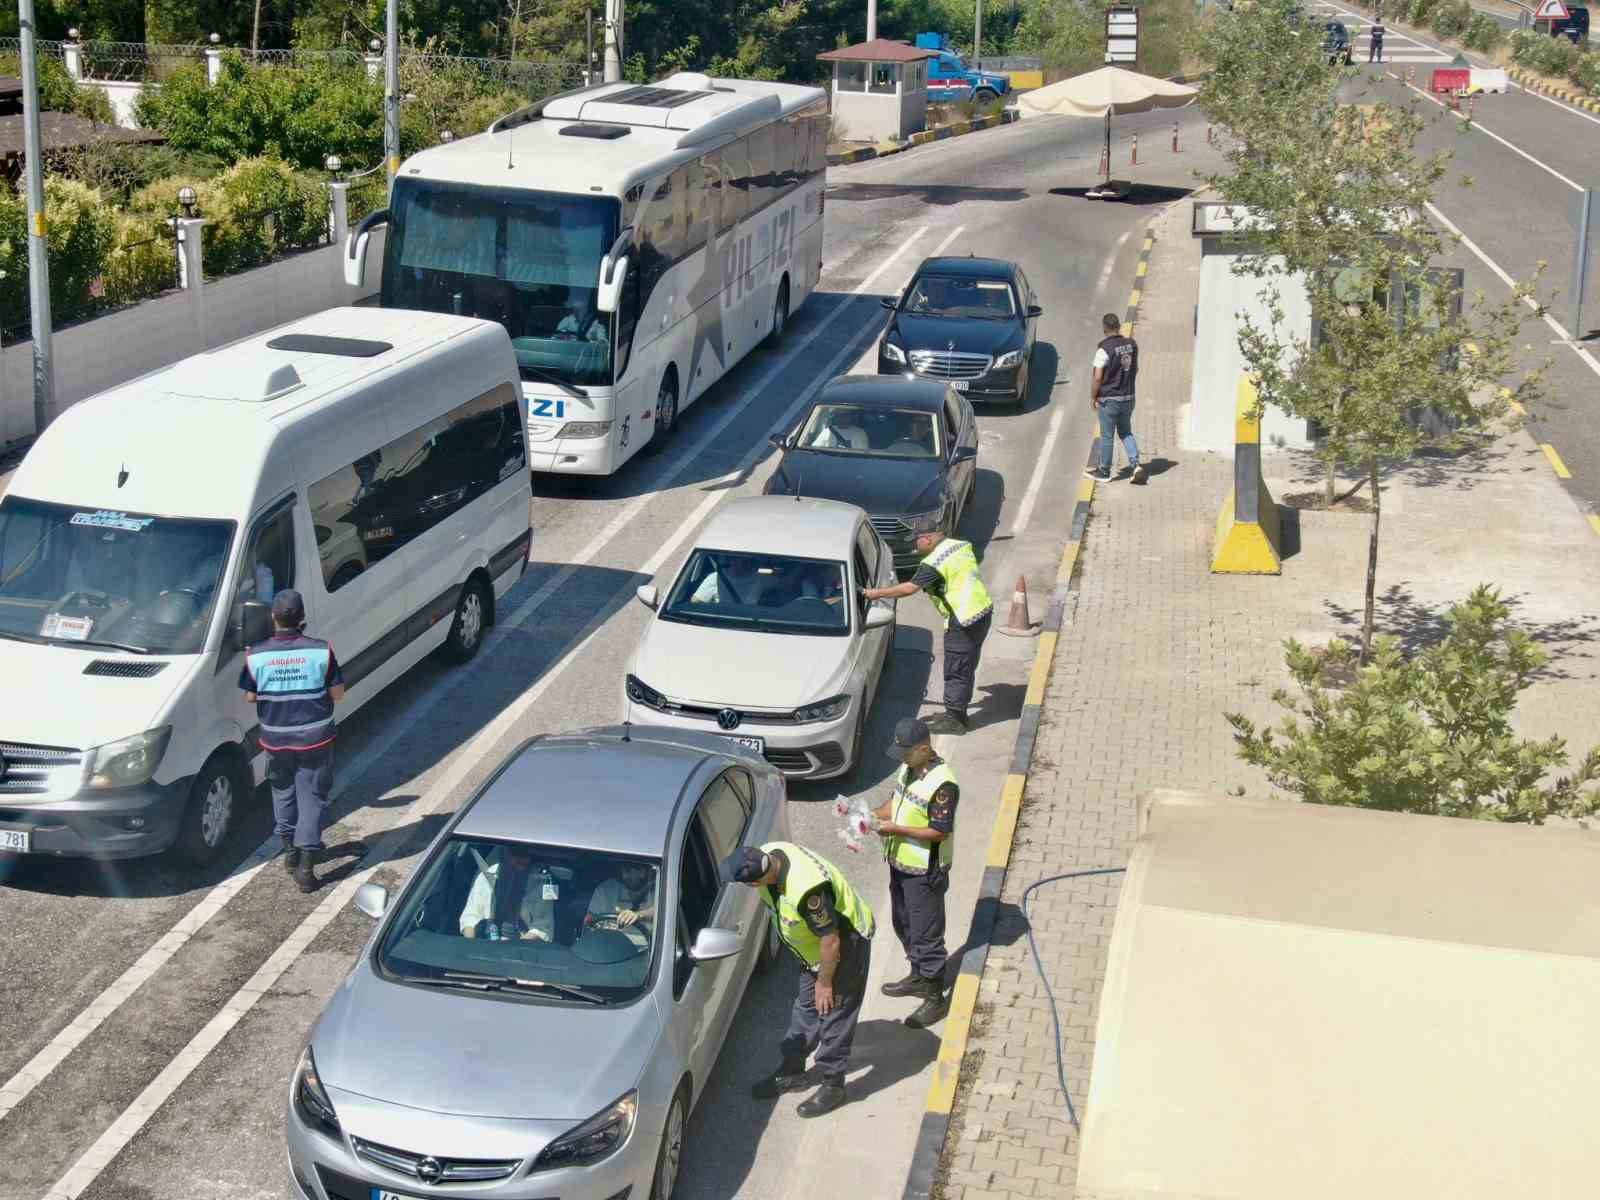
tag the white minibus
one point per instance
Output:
(372, 459)
(636, 241)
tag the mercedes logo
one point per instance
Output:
(951, 347)
(728, 718)
(430, 1170)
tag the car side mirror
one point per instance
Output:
(879, 616)
(780, 441)
(647, 594)
(713, 944)
(1035, 311)
(888, 302)
(373, 899)
(964, 454)
(255, 623)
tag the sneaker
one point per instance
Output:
(947, 722)
(1140, 475)
(911, 985)
(1096, 474)
(790, 1077)
(824, 1100)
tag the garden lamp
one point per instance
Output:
(186, 200)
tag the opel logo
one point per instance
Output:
(728, 718)
(430, 1170)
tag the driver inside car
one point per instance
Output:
(736, 580)
(512, 898)
(628, 899)
(841, 432)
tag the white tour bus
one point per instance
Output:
(635, 241)
(373, 460)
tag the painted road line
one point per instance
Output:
(110, 1143)
(1473, 123)
(1594, 521)
(1577, 112)
(14, 1090)
(1556, 465)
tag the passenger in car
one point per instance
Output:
(511, 898)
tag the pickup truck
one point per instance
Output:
(951, 81)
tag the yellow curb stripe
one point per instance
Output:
(1005, 821)
(953, 1046)
(1086, 490)
(1041, 669)
(1556, 464)
(1069, 563)
(1133, 301)
(1594, 521)
(1143, 270)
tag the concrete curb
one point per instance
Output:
(1567, 95)
(955, 129)
(940, 1105)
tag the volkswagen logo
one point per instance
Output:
(728, 718)
(430, 1170)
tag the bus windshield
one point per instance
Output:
(529, 260)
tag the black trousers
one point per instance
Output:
(962, 646)
(830, 1037)
(916, 902)
(1375, 50)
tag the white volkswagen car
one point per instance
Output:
(763, 637)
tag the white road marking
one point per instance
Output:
(114, 995)
(1576, 112)
(1478, 126)
(109, 1144)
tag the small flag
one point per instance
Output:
(97, 287)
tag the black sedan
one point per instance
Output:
(968, 322)
(898, 448)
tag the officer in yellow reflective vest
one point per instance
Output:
(917, 825)
(829, 928)
(948, 572)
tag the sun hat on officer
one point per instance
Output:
(909, 733)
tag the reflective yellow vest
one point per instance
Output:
(806, 871)
(964, 597)
(911, 800)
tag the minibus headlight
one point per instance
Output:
(129, 761)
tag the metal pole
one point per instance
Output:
(613, 41)
(1580, 263)
(391, 90)
(38, 246)
(872, 20)
(588, 46)
(977, 31)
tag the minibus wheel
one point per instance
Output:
(214, 799)
(469, 624)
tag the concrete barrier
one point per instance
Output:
(1249, 538)
(1487, 79)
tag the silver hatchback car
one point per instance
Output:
(539, 1008)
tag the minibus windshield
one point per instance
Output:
(104, 578)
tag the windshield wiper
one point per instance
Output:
(32, 638)
(492, 982)
(544, 376)
(128, 646)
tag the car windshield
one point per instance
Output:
(960, 296)
(860, 429)
(97, 577)
(529, 260)
(760, 592)
(528, 920)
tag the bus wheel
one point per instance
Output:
(666, 412)
(780, 315)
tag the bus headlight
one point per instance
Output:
(585, 429)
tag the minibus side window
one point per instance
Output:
(268, 564)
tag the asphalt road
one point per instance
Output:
(151, 1015)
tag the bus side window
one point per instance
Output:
(699, 200)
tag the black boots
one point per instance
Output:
(302, 870)
(291, 856)
(911, 985)
(947, 722)
(933, 1007)
(825, 1099)
(790, 1077)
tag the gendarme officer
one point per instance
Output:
(294, 681)
(829, 928)
(949, 574)
(917, 824)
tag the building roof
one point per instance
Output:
(1318, 1002)
(65, 131)
(878, 50)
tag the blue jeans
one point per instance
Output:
(1116, 421)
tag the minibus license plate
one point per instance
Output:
(14, 841)
(961, 385)
(759, 745)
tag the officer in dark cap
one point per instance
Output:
(294, 681)
(819, 916)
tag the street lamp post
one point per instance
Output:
(38, 244)
(613, 40)
(391, 89)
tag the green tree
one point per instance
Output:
(1425, 734)
(1339, 197)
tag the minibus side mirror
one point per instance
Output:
(255, 623)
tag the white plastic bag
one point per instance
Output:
(857, 817)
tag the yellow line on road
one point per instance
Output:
(1556, 464)
(1594, 522)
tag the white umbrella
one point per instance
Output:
(1104, 92)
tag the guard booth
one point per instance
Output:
(880, 90)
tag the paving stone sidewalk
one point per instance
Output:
(1157, 649)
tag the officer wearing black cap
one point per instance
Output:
(294, 682)
(829, 927)
(917, 825)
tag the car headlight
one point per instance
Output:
(641, 692)
(893, 353)
(130, 761)
(585, 429)
(595, 1139)
(823, 710)
(1010, 358)
(310, 1100)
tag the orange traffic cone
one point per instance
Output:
(1018, 624)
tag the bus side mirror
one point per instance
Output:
(613, 272)
(360, 240)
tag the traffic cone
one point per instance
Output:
(1018, 624)
(1135, 158)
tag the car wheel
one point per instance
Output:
(471, 619)
(1024, 377)
(780, 314)
(670, 1157)
(666, 413)
(208, 817)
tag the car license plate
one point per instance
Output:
(14, 841)
(379, 1193)
(759, 745)
(961, 385)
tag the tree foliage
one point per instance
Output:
(1428, 734)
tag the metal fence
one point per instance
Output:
(238, 241)
(117, 62)
(136, 270)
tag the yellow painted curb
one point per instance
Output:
(1556, 464)
(1041, 668)
(1594, 522)
(952, 1047)
(1005, 821)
